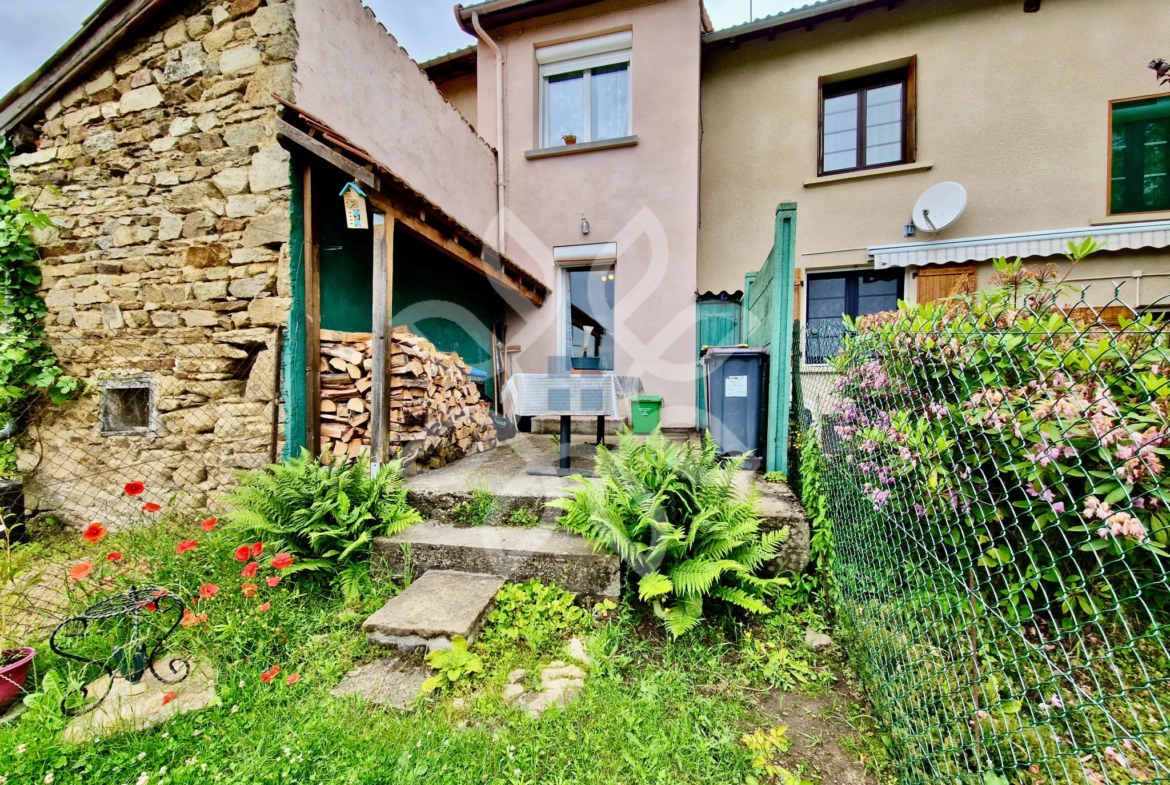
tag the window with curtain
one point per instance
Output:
(865, 122)
(1139, 165)
(834, 295)
(587, 99)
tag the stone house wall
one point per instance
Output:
(168, 258)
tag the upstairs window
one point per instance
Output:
(1139, 162)
(585, 90)
(867, 122)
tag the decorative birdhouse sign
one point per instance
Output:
(355, 206)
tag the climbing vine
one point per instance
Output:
(28, 366)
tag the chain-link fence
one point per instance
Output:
(181, 412)
(995, 471)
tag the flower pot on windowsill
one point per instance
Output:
(569, 139)
(14, 665)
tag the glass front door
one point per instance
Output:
(590, 315)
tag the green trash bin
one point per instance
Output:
(644, 410)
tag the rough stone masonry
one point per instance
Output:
(167, 263)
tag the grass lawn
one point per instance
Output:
(652, 710)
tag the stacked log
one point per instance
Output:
(436, 413)
(346, 371)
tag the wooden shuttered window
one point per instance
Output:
(939, 282)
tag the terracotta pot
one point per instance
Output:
(12, 676)
(569, 139)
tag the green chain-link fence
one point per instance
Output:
(997, 474)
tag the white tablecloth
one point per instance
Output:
(597, 395)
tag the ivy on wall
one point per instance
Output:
(28, 366)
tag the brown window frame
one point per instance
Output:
(1109, 159)
(905, 75)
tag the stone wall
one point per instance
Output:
(168, 258)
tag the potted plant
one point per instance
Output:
(570, 138)
(19, 614)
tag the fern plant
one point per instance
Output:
(676, 519)
(325, 515)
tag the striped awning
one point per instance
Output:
(1152, 234)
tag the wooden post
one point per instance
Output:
(312, 323)
(780, 367)
(382, 337)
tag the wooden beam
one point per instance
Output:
(451, 247)
(326, 153)
(382, 337)
(312, 322)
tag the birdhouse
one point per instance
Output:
(355, 206)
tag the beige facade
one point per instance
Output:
(1012, 105)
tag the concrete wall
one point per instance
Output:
(1014, 106)
(353, 75)
(462, 93)
(644, 198)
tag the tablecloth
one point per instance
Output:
(537, 394)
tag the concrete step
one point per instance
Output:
(434, 609)
(440, 505)
(779, 507)
(511, 553)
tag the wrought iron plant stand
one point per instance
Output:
(132, 659)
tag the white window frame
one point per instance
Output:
(586, 64)
(567, 259)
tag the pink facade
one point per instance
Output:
(642, 197)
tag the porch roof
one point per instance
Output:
(417, 213)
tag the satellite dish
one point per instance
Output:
(940, 207)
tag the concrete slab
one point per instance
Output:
(392, 682)
(434, 609)
(514, 554)
(131, 707)
(779, 507)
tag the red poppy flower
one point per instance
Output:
(151, 507)
(264, 608)
(150, 606)
(134, 488)
(293, 679)
(208, 590)
(170, 696)
(248, 589)
(257, 549)
(282, 561)
(243, 553)
(272, 581)
(190, 619)
(186, 545)
(208, 524)
(115, 556)
(250, 570)
(81, 571)
(268, 675)
(94, 533)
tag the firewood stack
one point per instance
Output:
(436, 415)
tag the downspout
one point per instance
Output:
(483, 36)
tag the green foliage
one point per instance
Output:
(324, 515)
(765, 746)
(481, 509)
(28, 366)
(522, 518)
(455, 666)
(817, 580)
(675, 517)
(778, 477)
(541, 615)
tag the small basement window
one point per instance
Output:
(127, 407)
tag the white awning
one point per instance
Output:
(1152, 234)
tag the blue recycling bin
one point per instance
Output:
(734, 383)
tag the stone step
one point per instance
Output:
(511, 553)
(439, 606)
(439, 504)
(779, 508)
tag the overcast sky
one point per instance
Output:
(31, 30)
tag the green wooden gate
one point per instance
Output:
(768, 314)
(718, 326)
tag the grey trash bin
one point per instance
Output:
(734, 379)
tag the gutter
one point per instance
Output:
(498, 13)
(483, 36)
(805, 17)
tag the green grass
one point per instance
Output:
(652, 711)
